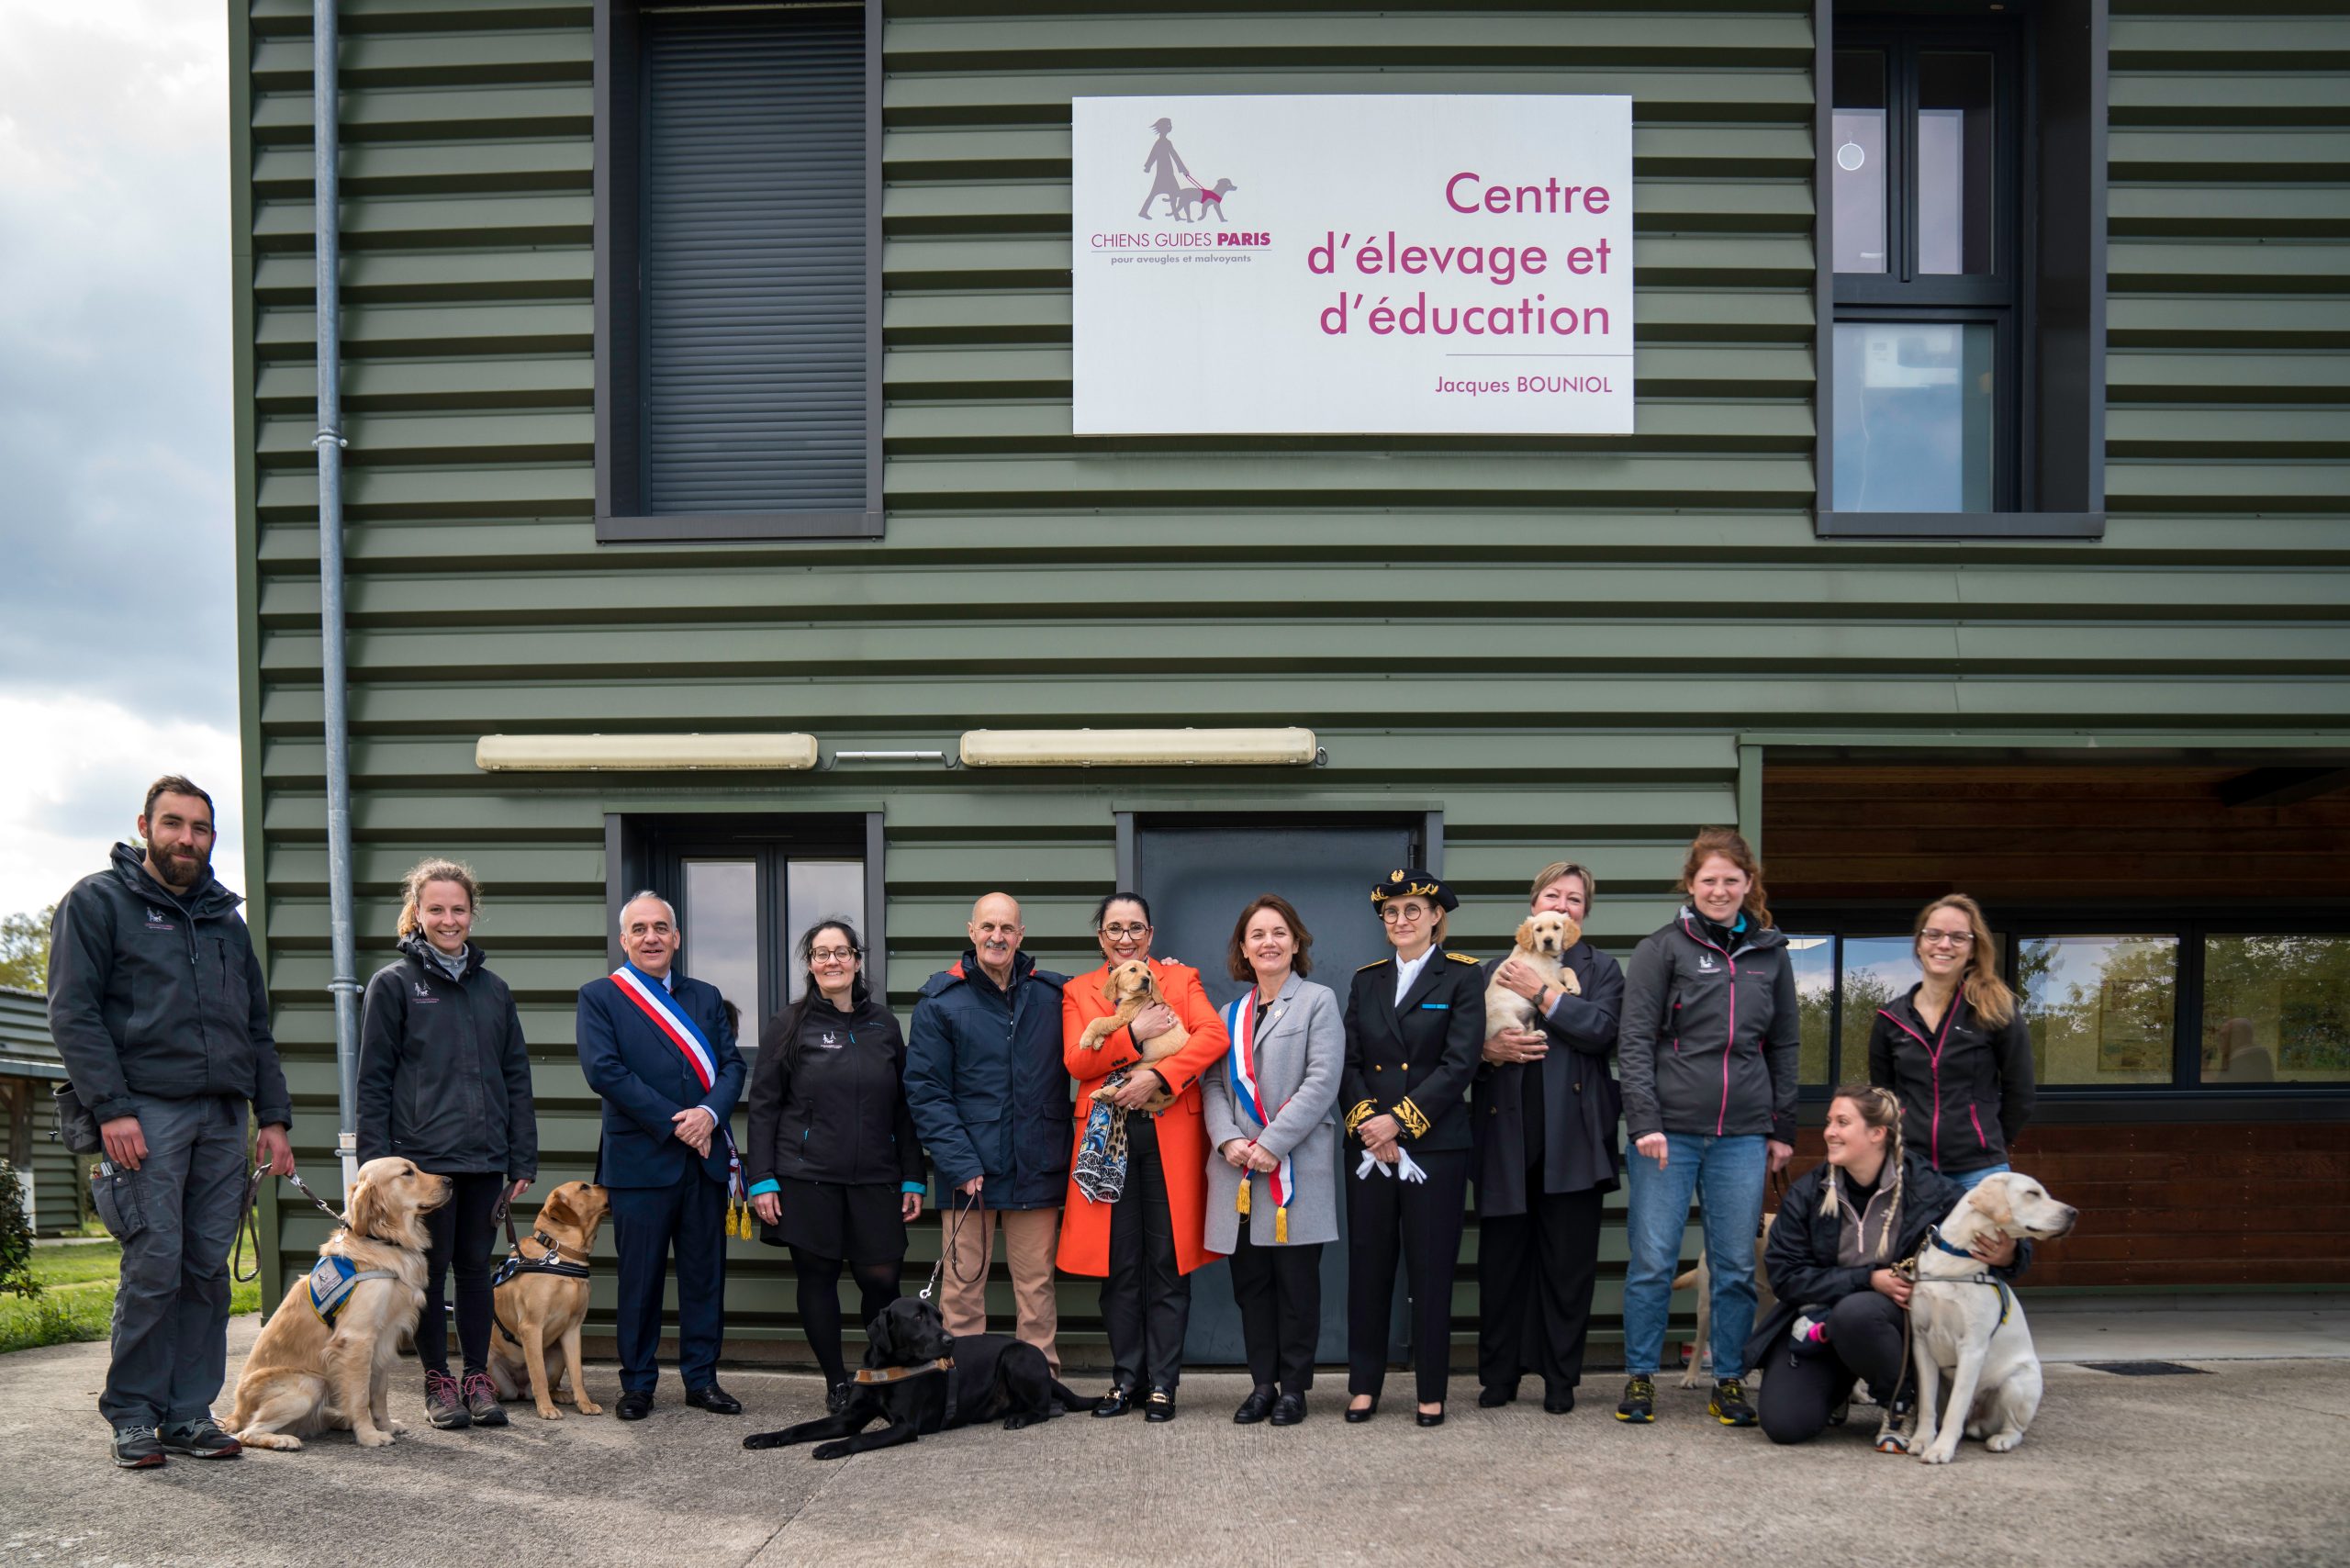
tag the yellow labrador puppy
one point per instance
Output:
(1131, 987)
(1543, 943)
(1975, 1331)
(325, 1357)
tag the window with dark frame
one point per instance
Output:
(1961, 281)
(737, 334)
(2111, 1006)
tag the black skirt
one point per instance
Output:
(860, 1223)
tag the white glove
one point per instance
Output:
(1407, 1168)
(1371, 1162)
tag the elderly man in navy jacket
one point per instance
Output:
(657, 1045)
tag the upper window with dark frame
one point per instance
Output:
(1962, 274)
(738, 335)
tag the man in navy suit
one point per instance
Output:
(658, 1046)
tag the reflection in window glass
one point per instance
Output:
(721, 933)
(1856, 134)
(1879, 971)
(823, 890)
(2100, 1010)
(1954, 163)
(1813, 959)
(1913, 416)
(2276, 1008)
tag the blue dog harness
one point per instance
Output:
(331, 1283)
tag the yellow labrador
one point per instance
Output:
(325, 1357)
(536, 1312)
(1975, 1331)
(1130, 988)
(1543, 943)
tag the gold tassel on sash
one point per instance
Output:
(1242, 1202)
(1281, 1226)
(739, 1217)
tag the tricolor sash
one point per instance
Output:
(1240, 1023)
(654, 1000)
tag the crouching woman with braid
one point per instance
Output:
(1841, 1229)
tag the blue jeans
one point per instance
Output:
(1727, 1173)
(1967, 1179)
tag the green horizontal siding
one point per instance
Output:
(1593, 621)
(58, 1201)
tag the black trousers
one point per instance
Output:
(691, 1213)
(1422, 1220)
(1535, 1276)
(1279, 1291)
(1146, 1300)
(461, 1238)
(1803, 1384)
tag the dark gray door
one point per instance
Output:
(1197, 879)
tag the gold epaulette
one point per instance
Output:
(1372, 965)
(1414, 1123)
(1462, 958)
(1364, 1110)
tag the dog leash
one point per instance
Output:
(954, 1238)
(249, 1218)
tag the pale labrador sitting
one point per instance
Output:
(303, 1377)
(1977, 1331)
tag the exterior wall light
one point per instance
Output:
(1140, 748)
(635, 754)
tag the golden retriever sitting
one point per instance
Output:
(1543, 943)
(1131, 987)
(539, 1310)
(305, 1375)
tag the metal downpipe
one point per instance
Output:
(325, 98)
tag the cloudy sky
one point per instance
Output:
(118, 615)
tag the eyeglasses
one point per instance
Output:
(1946, 938)
(1121, 933)
(1390, 915)
(831, 954)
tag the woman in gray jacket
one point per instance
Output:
(1271, 1114)
(1707, 1047)
(444, 1079)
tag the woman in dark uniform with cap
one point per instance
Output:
(1415, 1023)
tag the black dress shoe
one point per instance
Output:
(1425, 1419)
(715, 1399)
(1494, 1398)
(1357, 1416)
(1117, 1401)
(1289, 1410)
(1160, 1405)
(633, 1406)
(1255, 1409)
(1559, 1403)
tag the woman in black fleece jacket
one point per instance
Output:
(1954, 1049)
(444, 1079)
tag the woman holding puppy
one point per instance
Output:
(1955, 1050)
(835, 1169)
(1708, 1051)
(444, 1079)
(1840, 1230)
(1270, 1117)
(1135, 1219)
(1547, 1108)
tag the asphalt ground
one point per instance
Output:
(2247, 1462)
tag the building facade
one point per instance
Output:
(708, 373)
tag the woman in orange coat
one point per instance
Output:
(1136, 1214)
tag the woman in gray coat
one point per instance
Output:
(1271, 1121)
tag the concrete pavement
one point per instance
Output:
(2247, 1464)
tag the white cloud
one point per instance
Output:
(77, 778)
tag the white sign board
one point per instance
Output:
(1340, 265)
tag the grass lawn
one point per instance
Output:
(77, 1297)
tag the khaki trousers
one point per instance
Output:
(1029, 1237)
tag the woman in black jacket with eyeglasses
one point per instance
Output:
(834, 1168)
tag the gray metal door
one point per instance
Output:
(1197, 879)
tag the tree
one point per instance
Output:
(24, 950)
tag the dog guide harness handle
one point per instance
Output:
(555, 1258)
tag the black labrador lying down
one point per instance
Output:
(919, 1379)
